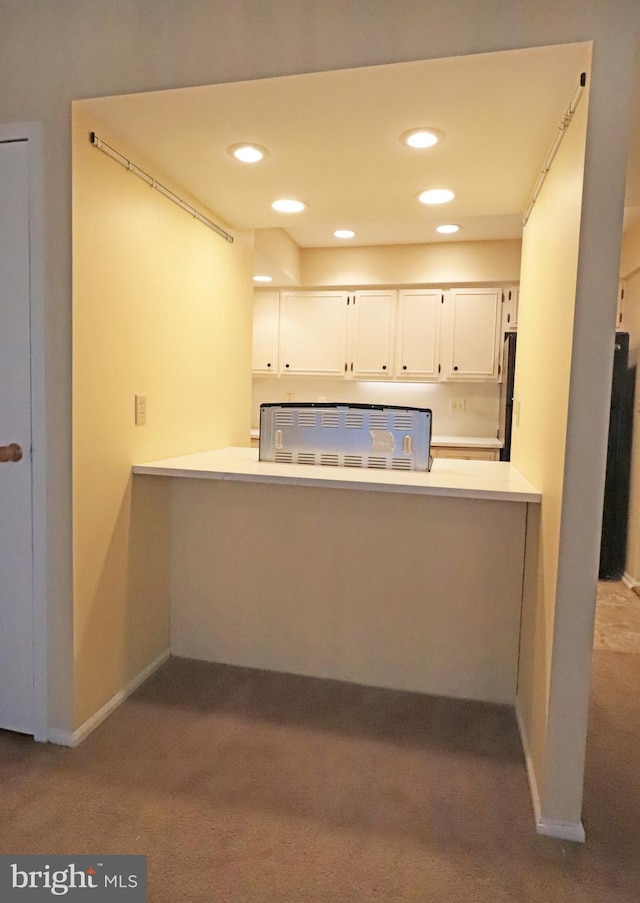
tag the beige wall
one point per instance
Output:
(77, 50)
(441, 263)
(630, 270)
(162, 308)
(402, 591)
(277, 255)
(545, 326)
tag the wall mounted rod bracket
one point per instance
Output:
(97, 142)
(567, 116)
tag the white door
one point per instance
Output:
(473, 332)
(16, 593)
(313, 333)
(266, 323)
(418, 349)
(372, 320)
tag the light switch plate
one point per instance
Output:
(141, 410)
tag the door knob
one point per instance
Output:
(9, 453)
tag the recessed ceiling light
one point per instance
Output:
(288, 205)
(248, 153)
(447, 228)
(344, 233)
(263, 278)
(421, 138)
(436, 196)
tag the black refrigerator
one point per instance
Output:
(613, 544)
(507, 373)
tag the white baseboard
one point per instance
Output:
(562, 830)
(629, 581)
(73, 738)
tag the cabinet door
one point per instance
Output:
(620, 311)
(473, 317)
(418, 334)
(510, 309)
(266, 317)
(371, 328)
(313, 333)
(466, 454)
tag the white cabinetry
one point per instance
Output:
(371, 329)
(418, 334)
(620, 310)
(313, 333)
(465, 453)
(424, 335)
(266, 322)
(510, 309)
(472, 333)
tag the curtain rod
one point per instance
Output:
(153, 183)
(564, 122)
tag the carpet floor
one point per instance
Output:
(251, 787)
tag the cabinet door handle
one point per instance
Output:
(268, 365)
(384, 366)
(455, 368)
(287, 365)
(352, 366)
(404, 366)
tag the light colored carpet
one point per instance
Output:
(617, 626)
(251, 787)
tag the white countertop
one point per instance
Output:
(495, 480)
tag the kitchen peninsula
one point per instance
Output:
(406, 580)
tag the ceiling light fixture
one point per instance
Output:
(344, 233)
(421, 138)
(288, 205)
(436, 196)
(447, 229)
(263, 278)
(248, 153)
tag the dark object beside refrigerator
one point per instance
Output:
(613, 544)
(505, 417)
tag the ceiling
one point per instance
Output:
(333, 141)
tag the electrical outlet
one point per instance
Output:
(141, 410)
(457, 404)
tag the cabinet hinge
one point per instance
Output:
(503, 297)
(345, 368)
(499, 369)
(438, 368)
(348, 300)
(622, 295)
(442, 299)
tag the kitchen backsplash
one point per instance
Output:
(480, 400)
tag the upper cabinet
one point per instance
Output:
(424, 335)
(371, 332)
(472, 334)
(418, 334)
(620, 310)
(510, 309)
(266, 322)
(313, 333)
